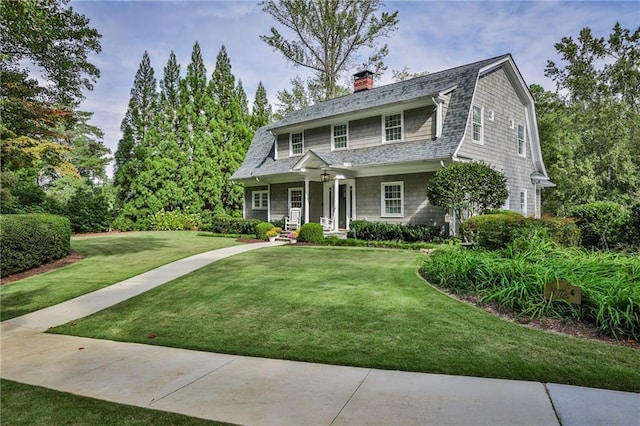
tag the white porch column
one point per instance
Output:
(347, 196)
(336, 203)
(269, 202)
(306, 199)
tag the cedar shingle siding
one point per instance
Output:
(494, 84)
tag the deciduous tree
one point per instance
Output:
(329, 36)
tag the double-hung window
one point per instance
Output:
(477, 125)
(392, 127)
(392, 199)
(260, 200)
(522, 144)
(339, 136)
(296, 198)
(523, 203)
(296, 143)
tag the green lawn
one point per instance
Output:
(360, 307)
(33, 406)
(108, 260)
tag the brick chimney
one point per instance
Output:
(362, 80)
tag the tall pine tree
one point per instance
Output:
(135, 125)
(230, 128)
(261, 112)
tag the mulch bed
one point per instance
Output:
(73, 257)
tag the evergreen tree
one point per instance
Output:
(135, 125)
(196, 128)
(261, 112)
(231, 129)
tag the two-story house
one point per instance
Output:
(369, 155)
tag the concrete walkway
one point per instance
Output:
(257, 391)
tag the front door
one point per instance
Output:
(346, 202)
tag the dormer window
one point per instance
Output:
(296, 144)
(477, 125)
(392, 127)
(339, 137)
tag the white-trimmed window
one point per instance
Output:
(296, 198)
(260, 200)
(296, 143)
(392, 199)
(477, 133)
(523, 202)
(522, 141)
(339, 136)
(392, 127)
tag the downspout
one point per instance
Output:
(438, 102)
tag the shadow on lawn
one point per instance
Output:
(17, 304)
(105, 246)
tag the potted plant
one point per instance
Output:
(293, 236)
(272, 234)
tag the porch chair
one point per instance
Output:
(327, 223)
(292, 222)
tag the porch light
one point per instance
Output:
(324, 176)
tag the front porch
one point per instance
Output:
(320, 193)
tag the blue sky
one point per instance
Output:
(431, 36)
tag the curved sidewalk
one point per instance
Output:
(258, 391)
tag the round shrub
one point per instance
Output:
(311, 233)
(262, 229)
(31, 240)
(493, 231)
(602, 224)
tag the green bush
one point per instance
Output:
(602, 224)
(515, 277)
(633, 227)
(31, 240)
(351, 242)
(493, 231)
(311, 232)
(88, 210)
(562, 230)
(232, 225)
(262, 229)
(382, 231)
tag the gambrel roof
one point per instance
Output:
(459, 82)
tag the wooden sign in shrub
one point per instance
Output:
(563, 290)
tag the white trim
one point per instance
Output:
(262, 205)
(524, 140)
(333, 140)
(473, 124)
(305, 196)
(291, 153)
(269, 203)
(384, 127)
(383, 199)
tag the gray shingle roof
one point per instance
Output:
(259, 159)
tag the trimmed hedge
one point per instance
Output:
(311, 232)
(382, 231)
(31, 240)
(232, 225)
(262, 229)
(495, 231)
